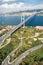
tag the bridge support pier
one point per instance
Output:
(23, 19)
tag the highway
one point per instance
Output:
(23, 55)
(2, 38)
(19, 59)
(8, 42)
(5, 62)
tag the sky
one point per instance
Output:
(19, 5)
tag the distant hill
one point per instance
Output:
(35, 10)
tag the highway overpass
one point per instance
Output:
(13, 30)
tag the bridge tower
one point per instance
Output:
(23, 19)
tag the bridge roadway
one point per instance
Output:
(2, 38)
(19, 59)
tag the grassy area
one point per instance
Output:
(25, 32)
(27, 42)
(6, 41)
(3, 33)
(2, 27)
(8, 48)
(34, 58)
(25, 46)
(40, 36)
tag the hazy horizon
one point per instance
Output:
(19, 5)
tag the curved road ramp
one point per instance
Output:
(14, 29)
(19, 59)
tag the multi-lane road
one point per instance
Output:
(13, 30)
(19, 59)
(5, 62)
(23, 55)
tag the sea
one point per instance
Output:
(15, 20)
